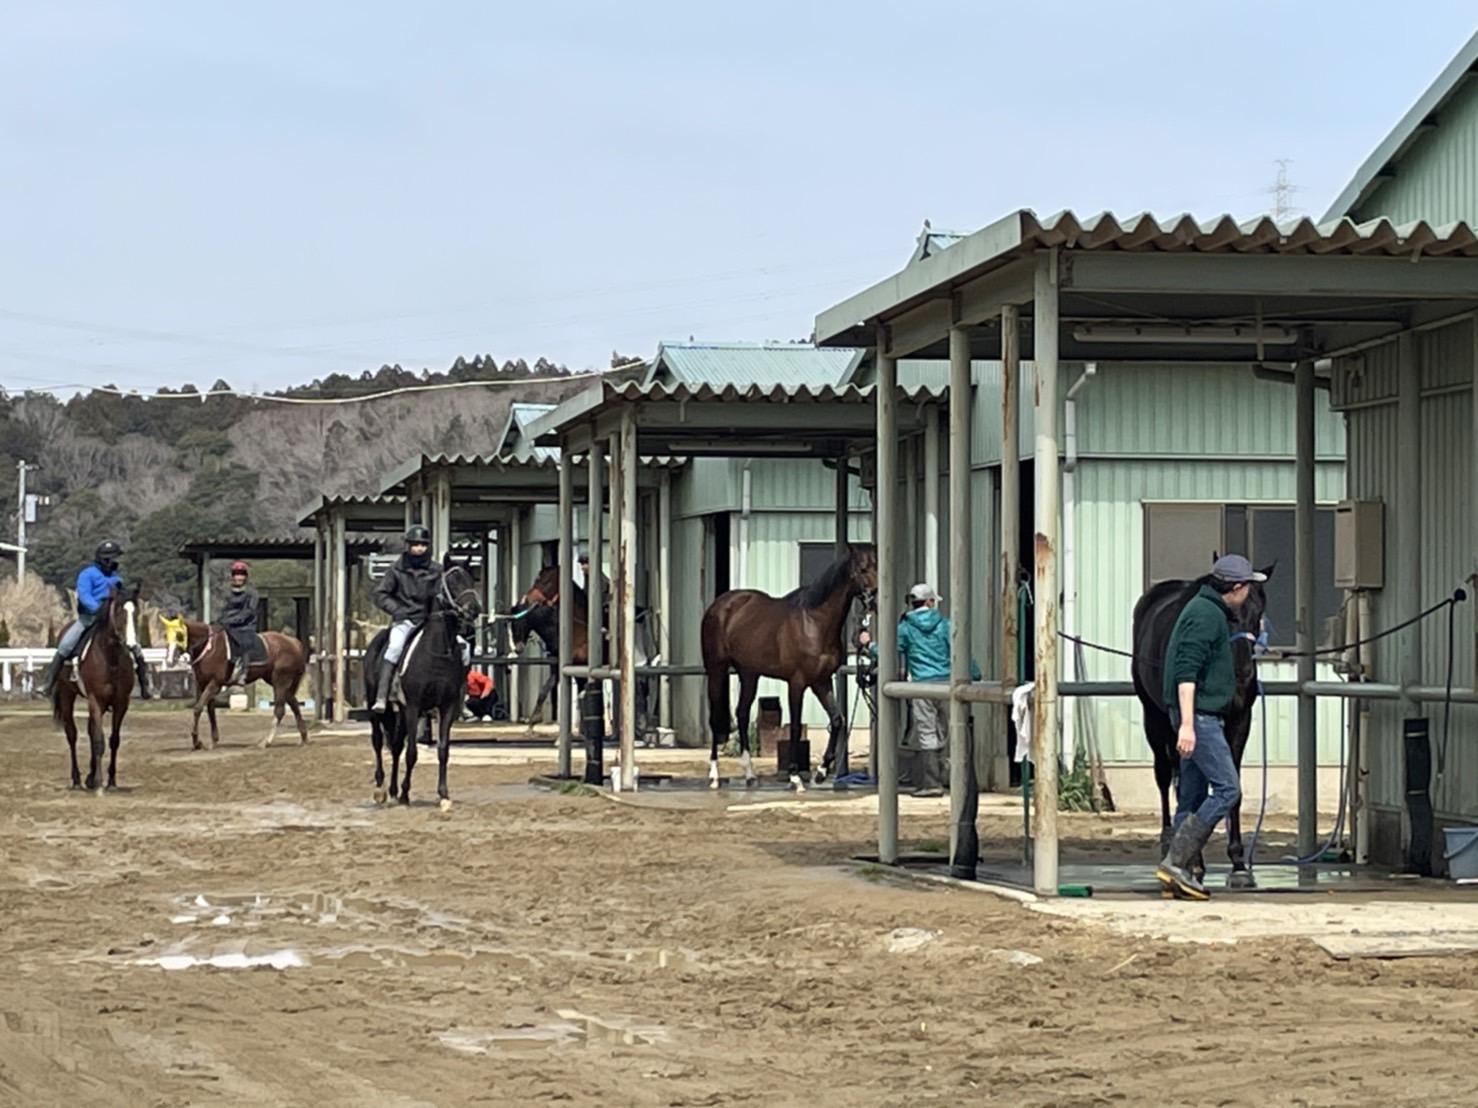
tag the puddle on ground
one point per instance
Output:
(571, 1029)
(231, 959)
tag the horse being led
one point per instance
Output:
(208, 649)
(796, 638)
(105, 676)
(1154, 619)
(538, 613)
(431, 678)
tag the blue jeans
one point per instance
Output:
(1210, 767)
(67, 646)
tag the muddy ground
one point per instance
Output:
(245, 926)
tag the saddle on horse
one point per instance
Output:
(393, 695)
(243, 652)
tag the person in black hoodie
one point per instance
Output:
(406, 592)
(238, 617)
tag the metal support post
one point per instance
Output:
(1047, 474)
(884, 532)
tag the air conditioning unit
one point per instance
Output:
(1359, 544)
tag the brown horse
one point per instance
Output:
(538, 613)
(796, 638)
(105, 665)
(208, 650)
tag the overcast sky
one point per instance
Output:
(270, 192)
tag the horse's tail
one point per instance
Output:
(720, 721)
(57, 714)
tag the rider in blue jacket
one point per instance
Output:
(94, 584)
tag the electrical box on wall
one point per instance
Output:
(1359, 544)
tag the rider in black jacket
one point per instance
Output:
(238, 616)
(406, 592)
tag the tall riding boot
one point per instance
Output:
(1174, 871)
(52, 672)
(141, 669)
(382, 687)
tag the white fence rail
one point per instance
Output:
(21, 666)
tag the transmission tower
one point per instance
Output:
(1282, 192)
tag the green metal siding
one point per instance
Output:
(705, 485)
(1445, 518)
(1437, 180)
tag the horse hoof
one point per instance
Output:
(1241, 879)
(381, 796)
(98, 791)
(446, 804)
(751, 782)
(818, 776)
(796, 784)
(198, 745)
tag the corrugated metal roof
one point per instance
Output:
(931, 242)
(1225, 235)
(600, 397)
(373, 502)
(1423, 117)
(749, 364)
(516, 440)
(1022, 232)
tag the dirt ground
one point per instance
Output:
(245, 926)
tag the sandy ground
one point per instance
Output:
(245, 926)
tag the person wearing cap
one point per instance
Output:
(238, 617)
(923, 647)
(1200, 681)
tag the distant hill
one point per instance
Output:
(155, 472)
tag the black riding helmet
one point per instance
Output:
(417, 532)
(107, 555)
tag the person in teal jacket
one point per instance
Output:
(923, 648)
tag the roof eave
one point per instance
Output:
(1367, 177)
(848, 323)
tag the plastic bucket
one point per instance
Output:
(1461, 853)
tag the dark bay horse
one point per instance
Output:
(432, 678)
(538, 613)
(105, 665)
(542, 621)
(796, 638)
(1154, 619)
(207, 648)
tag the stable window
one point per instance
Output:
(1181, 541)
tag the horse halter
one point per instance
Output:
(465, 613)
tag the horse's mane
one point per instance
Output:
(816, 593)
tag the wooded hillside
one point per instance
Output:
(155, 472)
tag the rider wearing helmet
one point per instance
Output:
(238, 617)
(94, 584)
(406, 592)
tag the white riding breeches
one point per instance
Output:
(399, 632)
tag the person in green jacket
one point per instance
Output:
(1200, 681)
(923, 647)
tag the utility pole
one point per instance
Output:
(20, 521)
(25, 509)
